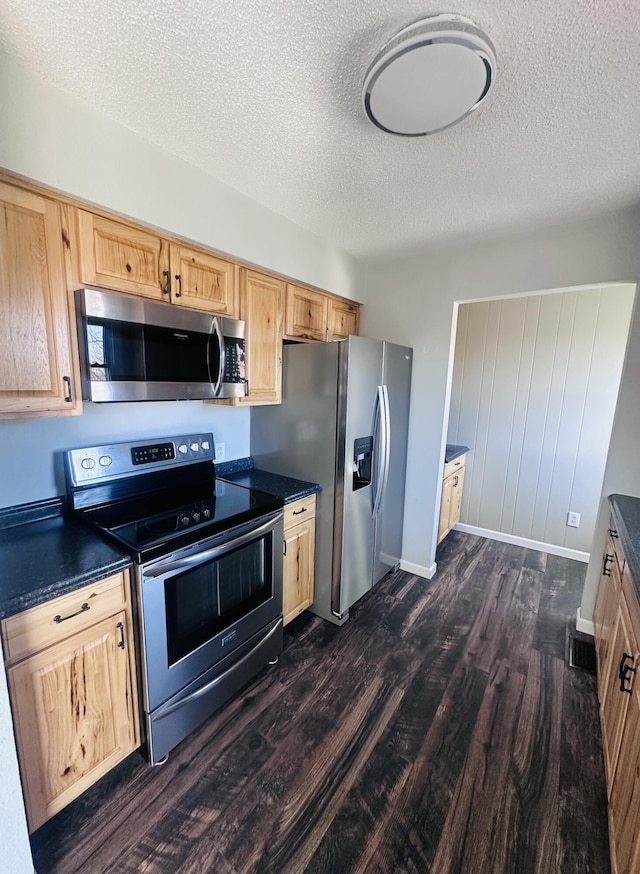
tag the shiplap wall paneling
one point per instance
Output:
(533, 394)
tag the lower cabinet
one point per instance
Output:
(617, 629)
(71, 675)
(451, 503)
(299, 556)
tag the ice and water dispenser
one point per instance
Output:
(362, 452)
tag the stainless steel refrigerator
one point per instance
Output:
(343, 423)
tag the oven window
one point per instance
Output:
(204, 601)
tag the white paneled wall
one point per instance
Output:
(534, 390)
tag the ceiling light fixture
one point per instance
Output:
(429, 76)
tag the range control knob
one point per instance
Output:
(184, 520)
(87, 463)
(206, 513)
(105, 460)
(195, 516)
(183, 449)
(205, 445)
(195, 447)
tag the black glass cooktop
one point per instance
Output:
(156, 524)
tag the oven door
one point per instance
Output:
(203, 602)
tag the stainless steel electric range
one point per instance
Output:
(207, 566)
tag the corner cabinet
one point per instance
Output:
(451, 502)
(314, 316)
(38, 365)
(617, 632)
(299, 556)
(71, 675)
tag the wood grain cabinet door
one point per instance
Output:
(122, 258)
(36, 358)
(343, 318)
(203, 281)
(456, 498)
(298, 569)
(624, 803)
(445, 508)
(614, 703)
(73, 710)
(306, 314)
(261, 307)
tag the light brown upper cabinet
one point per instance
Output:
(312, 315)
(38, 375)
(126, 258)
(343, 319)
(261, 307)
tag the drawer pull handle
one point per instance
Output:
(606, 570)
(120, 625)
(625, 672)
(613, 533)
(58, 619)
(297, 512)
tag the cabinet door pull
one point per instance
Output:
(167, 285)
(455, 480)
(67, 389)
(179, 281)
(613, 533)
(297, 512)
(120, 625)
(83, 609)
(625, 672)
(284, 547)
(606, 570)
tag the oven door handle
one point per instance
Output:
(213, 553)
(198, 693)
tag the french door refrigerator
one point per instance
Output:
(343, 423)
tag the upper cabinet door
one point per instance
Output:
(122, 258)
(204, 282)
(261, 306)
(343, 319)
(306, 314)
(36, 364)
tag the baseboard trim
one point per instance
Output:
(584, 625)
(551, 548)
(418, 569)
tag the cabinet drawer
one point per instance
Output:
(299, 511)
(454, 466)
(34, 629)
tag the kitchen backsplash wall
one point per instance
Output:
(31, 465)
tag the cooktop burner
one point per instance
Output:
(164, 503)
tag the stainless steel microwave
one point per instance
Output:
(132, 349)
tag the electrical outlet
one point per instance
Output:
(573, 520)
(220, 451)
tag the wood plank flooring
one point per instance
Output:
(440, 730)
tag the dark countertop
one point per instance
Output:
(626, 514)
(452, 450)
(243, 473)
(43, 555)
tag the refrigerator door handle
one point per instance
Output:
(381, 448)
(386, 425)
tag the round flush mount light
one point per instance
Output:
(429, 76)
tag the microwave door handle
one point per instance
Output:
(210, 554)
(217, 330)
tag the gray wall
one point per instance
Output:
(411, 299)
(535, 383)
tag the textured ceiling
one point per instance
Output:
(266, 97)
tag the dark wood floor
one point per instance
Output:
(440, 730)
